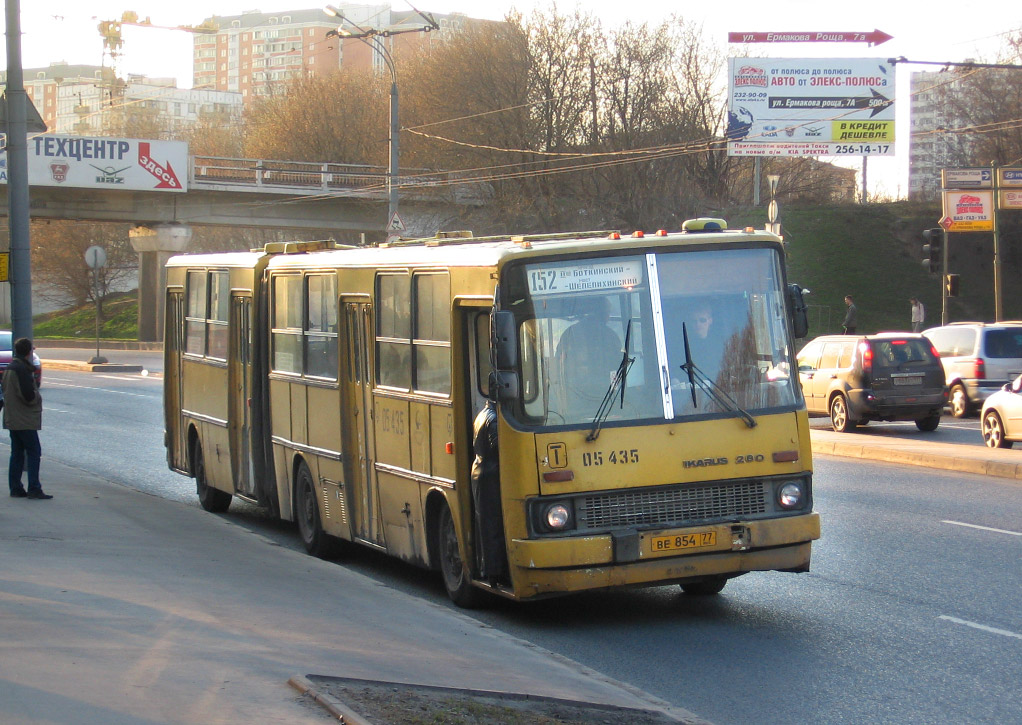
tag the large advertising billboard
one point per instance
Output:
(810, 107)
(100, 162)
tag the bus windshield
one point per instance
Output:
(666, 335)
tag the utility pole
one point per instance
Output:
(998, 302)
(373, 37)
(17, 179)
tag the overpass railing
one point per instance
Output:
(292, 176)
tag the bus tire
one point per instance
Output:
(211, 499)
(316, 541)
(452, 568)
(706, 587)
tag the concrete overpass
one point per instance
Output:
(326, 198)
(256, 193)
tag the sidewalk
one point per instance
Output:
(1003, 463)
(121, 607)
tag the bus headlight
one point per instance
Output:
(557, 517)
(791, 495)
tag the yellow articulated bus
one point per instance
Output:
(530, 416)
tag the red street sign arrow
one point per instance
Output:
(874, 38)
(164, 174)
(947, 223)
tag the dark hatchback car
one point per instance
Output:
(858, 378)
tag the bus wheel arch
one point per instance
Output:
(305, 505)
(211, 499)
(453, 569)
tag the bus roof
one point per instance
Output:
(461, 251)
(491, 251)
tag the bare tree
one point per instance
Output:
(58, 260)
(339, 117)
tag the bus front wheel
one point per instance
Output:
(211, 499)
(456, 579)
(316, 541)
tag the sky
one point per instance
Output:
(937, 30)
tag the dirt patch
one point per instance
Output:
(389, 703)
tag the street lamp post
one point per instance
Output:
(373, 37)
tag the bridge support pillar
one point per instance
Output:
(155, 245)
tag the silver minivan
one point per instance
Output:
(979, 358)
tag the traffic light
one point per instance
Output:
(951, 284)
(933, 249)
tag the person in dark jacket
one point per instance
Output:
(486, 496)
(23, 418)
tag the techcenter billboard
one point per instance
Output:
(810, 107)
(104, 163)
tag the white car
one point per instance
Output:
(1002, 416)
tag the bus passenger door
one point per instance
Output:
(359, 442)
(239, 362)
(177, 452)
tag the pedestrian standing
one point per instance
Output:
(23, 418)
(851, 316)
(918, 314)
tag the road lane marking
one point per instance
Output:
(983, 528)
(974, 625)
(117, 377)
(105, 390)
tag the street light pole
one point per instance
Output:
(373, 37)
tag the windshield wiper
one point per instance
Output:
(717, 393)
(620, 377)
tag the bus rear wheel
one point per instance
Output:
(706, 587)
(455, 573)
(316, 541)
(211, 499)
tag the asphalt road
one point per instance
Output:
(909, 615)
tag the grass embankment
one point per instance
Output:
(119, 321)
(872, 253)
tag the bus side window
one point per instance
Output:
(216, 324)
(432, 339)
(287, 323)
(394, 331)
(482, 340)
(321, 326)
(195, 316)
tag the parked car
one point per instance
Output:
(7, 354)
(1002, 416)
(858, 378)
(979, 358)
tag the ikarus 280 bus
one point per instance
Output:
(626, 402)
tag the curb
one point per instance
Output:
(962, 464)
(306, 685)
(331, 704)
(94, 367)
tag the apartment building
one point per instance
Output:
(256, 53)
(42, 85)
(936, 139)
(85, 107)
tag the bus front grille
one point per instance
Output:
(672, 505)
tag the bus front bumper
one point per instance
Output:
(629, 558)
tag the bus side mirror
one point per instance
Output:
(502, 335)
(504, 385)
(799, 310)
